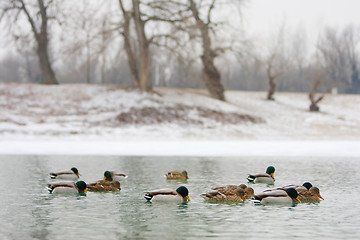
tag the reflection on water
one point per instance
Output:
(29, 212)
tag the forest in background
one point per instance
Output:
(177, 43)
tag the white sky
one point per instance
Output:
(261, 16)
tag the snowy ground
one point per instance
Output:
(176, 119)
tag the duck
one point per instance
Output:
(181, 194)
(107, 184)
(72, 174)
(249, 192)
(177, 175)
(68, 187)
(310, 195)
(225, 195)
(267, 177)
(114, 176)
(304, 187)
(289, 195)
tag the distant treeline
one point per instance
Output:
(170, 44)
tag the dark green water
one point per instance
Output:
(30, 212)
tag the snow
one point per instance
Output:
(83, 119)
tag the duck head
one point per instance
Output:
(75, 170)
(308, 185)
(316, 191)
(270, 170)
(81, 185)
(108, 176)
(293, 194)
(240, 192)
(184, 192)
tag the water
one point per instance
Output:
(30, 212)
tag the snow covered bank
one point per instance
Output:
(77, 113)
(199, 148)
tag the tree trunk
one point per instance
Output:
(271, 78)
(312, 95)
(211, 75)
(212, 78)
(45, 65)
(272, 88)
(133, 65)
(42, 42)
(144, 71)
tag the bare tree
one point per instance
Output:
(339, 52)
(275, 62)
(39, 29)
(272, 73)
(211, 74)
(145, 15)
(131, 57)
(317, 80)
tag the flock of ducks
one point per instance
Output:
(228, 193)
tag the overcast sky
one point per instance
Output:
(263, 15)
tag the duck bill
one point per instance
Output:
(298, 199)
(188, 198)
(319, 196)
(104, 178)
(272, 175)
(85, 191)
(78, 174)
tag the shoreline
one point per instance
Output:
(246, 148)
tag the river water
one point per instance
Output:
(30, 212)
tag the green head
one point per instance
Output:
(307, 185)
(74, 169)
(107, 176)
(293, 193)
(270, 170)
(81, 185)
(184, 192)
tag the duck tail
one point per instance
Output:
(50, 188)
(53, 175)
(148, 196)
(256, 199)
(251, 178)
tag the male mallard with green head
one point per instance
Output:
(289, 195)
(67, 187)
(307, 192)
(72, 174)
(107, 184)
(114, 176)
(267, 177)
(181, 194)
(181, 175)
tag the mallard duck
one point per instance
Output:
(177, 175)
(267, 177)
(72, 174)
(225, 195)
(289, 195)
(311, 195)
(104, 185)
(114, 176)
(249, 192)
(305, 186)
(181, 194)
(107, 184)
(67, 187)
